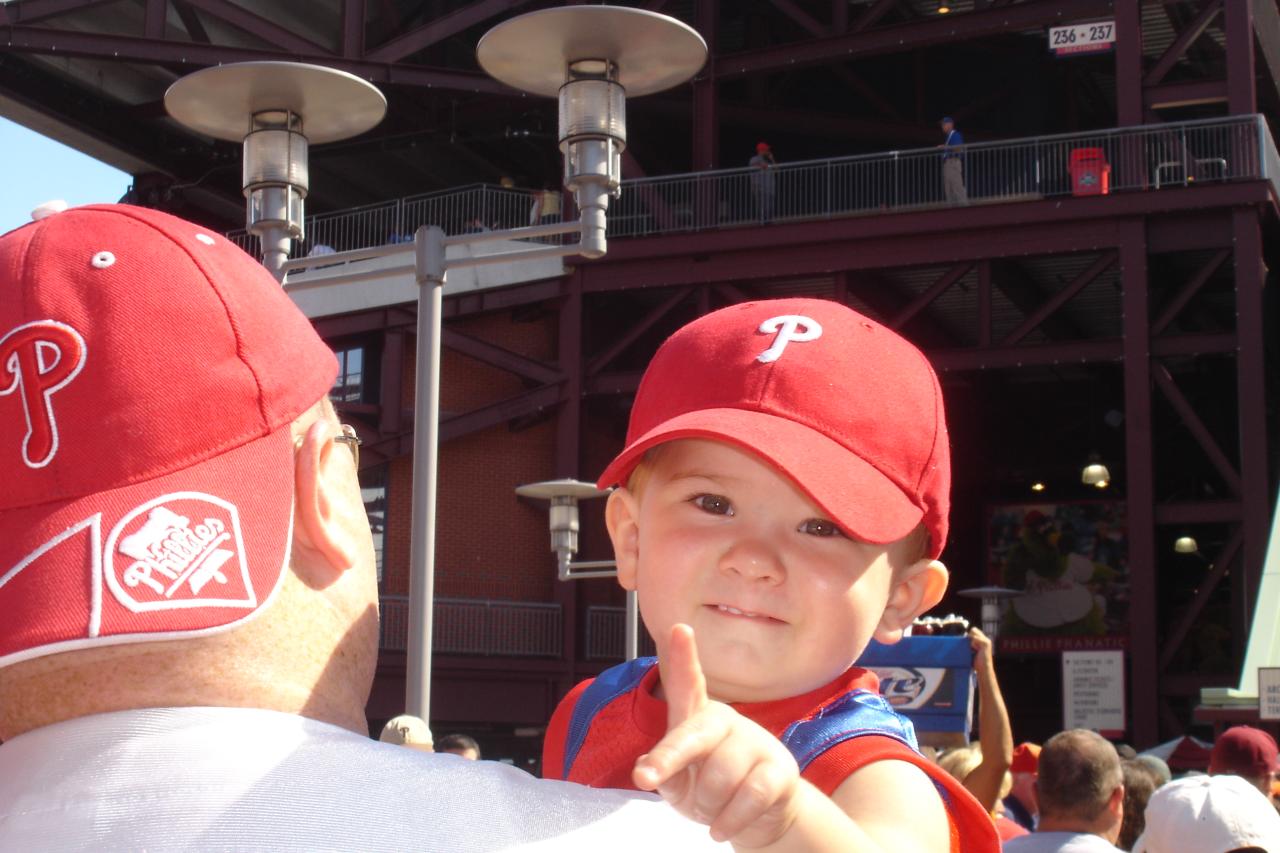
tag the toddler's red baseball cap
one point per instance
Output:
(149, 373)
(842, 405)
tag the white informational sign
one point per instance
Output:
(1096, 37)
(1093, 692)
(1269, 692)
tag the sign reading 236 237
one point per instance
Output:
(1082, 38)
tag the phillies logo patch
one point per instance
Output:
(785, 329)
(180, 550)
(40, 358)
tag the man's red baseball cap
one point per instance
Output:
(1026, 758)
(1244, 751)
(149, 374)
(842, 405)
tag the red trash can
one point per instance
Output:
(1090, 172)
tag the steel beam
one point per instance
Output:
(1266, 28)
(1219, 569)
(905, 38)
(500, 357)
(871, 15)
(390, 419)
(1168, 95)
(568, 457)
(1251, 393)
(1242, 89)
(801, 18)
(30, 11)
(1164, 381)
(154, 18)
(440, 29)
(1128, 64)
(43, 40)
(1140, 485)
(1175, 51)
(521, 405)
(1188, 291)
(1083, 280)
(353, 14)
(601, 360)
(924, 300)
(706, 116)
(259, 27)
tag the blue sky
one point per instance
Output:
(41, 170)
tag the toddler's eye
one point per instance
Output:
(714, 504)
(820, 527)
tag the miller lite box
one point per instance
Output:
(930, 681)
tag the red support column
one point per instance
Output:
(1128, 63)
(568, 455)
(1242, 89)
(1140, 493)
(706, 125)
(1251, 391)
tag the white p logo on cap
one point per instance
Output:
(787, 328)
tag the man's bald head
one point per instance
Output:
(1079, 772)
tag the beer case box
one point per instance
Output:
(930, 681)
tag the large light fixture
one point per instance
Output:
(564, 496)
(1095, 473)
(1186, 545)
(278, 109)
(993, 598)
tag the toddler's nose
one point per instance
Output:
(754, 560)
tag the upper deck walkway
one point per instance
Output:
(1145, 158)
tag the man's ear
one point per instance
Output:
(915, 589)
(330, 519)
(621, 517)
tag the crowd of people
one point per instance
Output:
(190, 621)
(1080, 793)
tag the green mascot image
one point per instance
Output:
(1055, 579)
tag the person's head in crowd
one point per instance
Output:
(182, 521)
(1080, 787)
(1023, 768)
(1209, 814)
(1157, 766)
(963, 760)
(1126, 752)
(1245, 752)
(459, 744)
(1140, 782)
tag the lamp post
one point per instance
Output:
(591, 58)
(564, 496)
(992, 598)
(278, 109)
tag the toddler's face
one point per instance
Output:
(780, 600)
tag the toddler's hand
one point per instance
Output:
(714, 765)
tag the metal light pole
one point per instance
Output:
(991, 596)
(590, 57)
(564, 496)
(278, 109)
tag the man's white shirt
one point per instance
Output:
(237, 779)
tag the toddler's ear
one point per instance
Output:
(915, 590)
(621, 517)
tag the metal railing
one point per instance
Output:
(1147, 157)
(606, 634)
(1128, 159)
(469, 626)
(475, 208)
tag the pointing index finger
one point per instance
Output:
(682, 679)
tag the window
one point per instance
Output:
(349, 386)
(373, 488)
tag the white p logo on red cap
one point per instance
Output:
(787, 328)
(42, 357)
